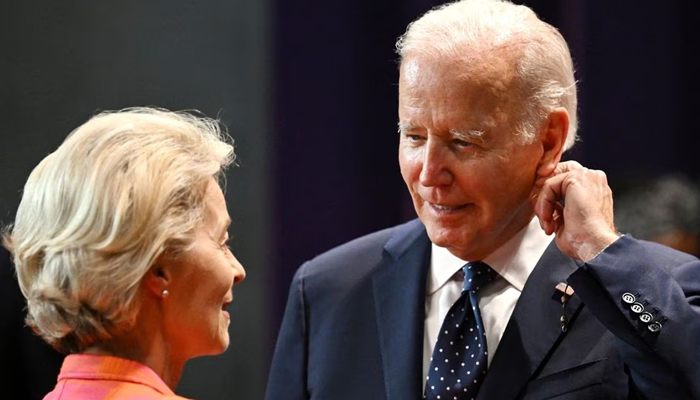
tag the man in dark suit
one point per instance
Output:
(487, 106)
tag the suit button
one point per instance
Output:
(646, 317)
(654, 326)
(629, 298)
(637, 308)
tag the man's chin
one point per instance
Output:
(446, 238)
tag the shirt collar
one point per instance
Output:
(90, 367)
(514, 261)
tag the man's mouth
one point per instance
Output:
(446, 208)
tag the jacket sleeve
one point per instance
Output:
(287, 378)
(648, 296)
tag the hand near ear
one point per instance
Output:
(576, 204)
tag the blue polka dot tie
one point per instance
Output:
(458, 364)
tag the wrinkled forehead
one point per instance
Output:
(486, 83)
(493, 67)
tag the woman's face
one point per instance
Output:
(201, 284)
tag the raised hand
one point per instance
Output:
(576, 204)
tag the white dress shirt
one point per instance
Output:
(514, 261)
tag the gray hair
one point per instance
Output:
(95, 215)
(543, 61)
(668, 203)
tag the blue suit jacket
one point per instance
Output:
(354, 323)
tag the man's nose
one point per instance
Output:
(434, 169)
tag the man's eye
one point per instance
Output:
(414, 138)
(462, 143)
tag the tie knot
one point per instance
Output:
(476, 275)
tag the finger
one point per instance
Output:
(551, 194)
(561, 168)
(567, 166)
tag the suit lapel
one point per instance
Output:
(533, 329)
(399, 293)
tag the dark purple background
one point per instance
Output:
(308, 89)
(335, 91)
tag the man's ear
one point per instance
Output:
(552, 137)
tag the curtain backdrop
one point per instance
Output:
(308, 88)
(335, 89)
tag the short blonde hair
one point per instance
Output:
(540, 53)
(97, 213)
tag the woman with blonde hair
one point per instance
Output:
(120, 247)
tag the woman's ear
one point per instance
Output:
(158, 277)
(552, 137)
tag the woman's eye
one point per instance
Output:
(225, 245)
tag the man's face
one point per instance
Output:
(470, 179)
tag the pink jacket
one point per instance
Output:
(91, 377)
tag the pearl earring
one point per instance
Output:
(165, 293)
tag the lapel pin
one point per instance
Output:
(565, 288)
(566, 291)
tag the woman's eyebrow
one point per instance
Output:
(223, 226)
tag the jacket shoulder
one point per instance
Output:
(362, 255)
